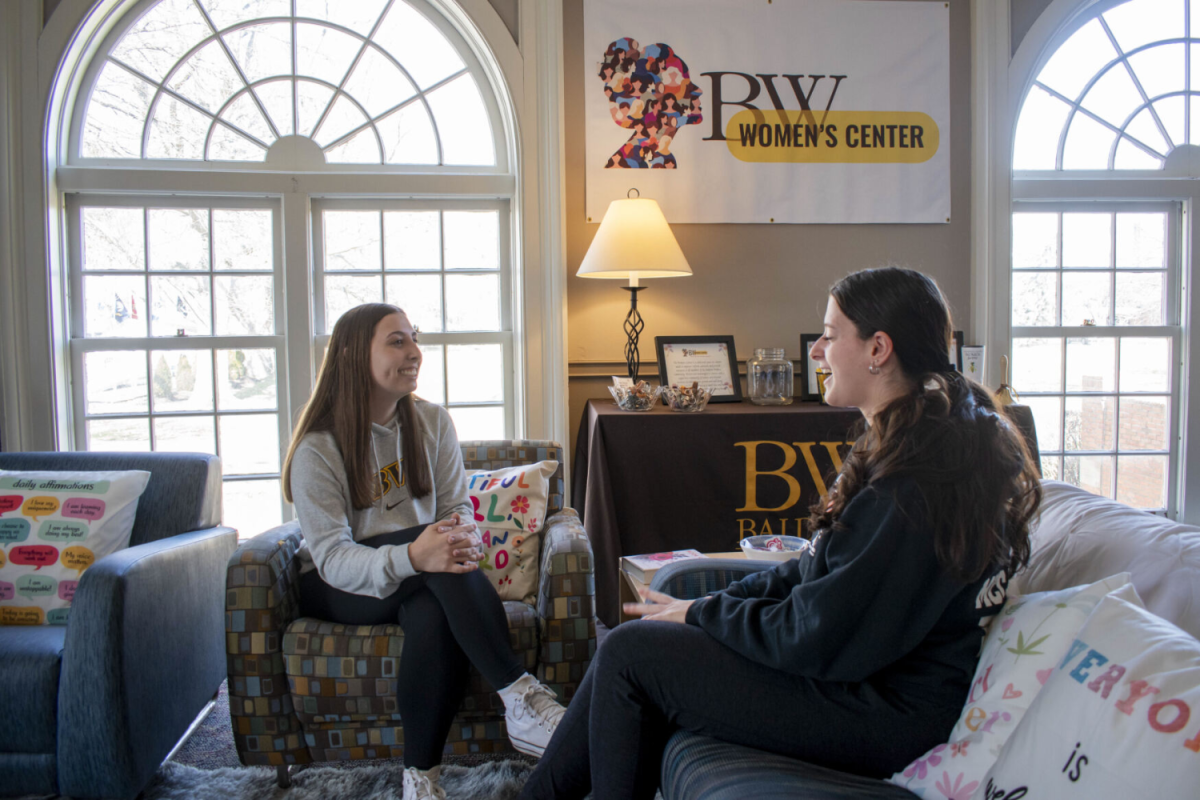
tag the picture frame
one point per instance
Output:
(955, 355)
(710, 360)
(808, 372)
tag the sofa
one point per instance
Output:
(102, 700)
(1078, 538)
(304, 690)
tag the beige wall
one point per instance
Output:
(764, 284)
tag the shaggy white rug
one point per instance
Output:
(497, 780)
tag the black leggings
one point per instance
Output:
(450, 622)
(650, 679)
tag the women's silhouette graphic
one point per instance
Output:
(650, 92)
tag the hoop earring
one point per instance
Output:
(873, 369)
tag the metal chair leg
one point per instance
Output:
(282, 777)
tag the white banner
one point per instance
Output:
(810, 111)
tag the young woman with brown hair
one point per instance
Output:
(858, 655)
(377, 478)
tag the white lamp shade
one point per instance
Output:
(634, 241)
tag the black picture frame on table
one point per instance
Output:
(735, 381)
(808, 378)
(956, 346)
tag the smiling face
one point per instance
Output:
(847, 357)
(395, 359)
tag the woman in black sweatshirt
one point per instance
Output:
(859, 655)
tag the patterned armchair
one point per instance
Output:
(302, 690)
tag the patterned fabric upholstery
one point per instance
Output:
(699, 768)
(304, 690)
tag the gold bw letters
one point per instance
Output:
(747, 527)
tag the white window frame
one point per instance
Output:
(41, 71)
(1000, 80)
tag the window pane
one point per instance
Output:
(228, 145)
(476, 373)
(1077, 60)
(1113, 97)
(359, 16)
(1146, 365)
(1087, 298)
(1142, 240)
(113, 238)
(1131, 156)
(1037, 365)
(311, 101)
(361, 148)
(228, 12)
(421, 298)
(1087, 240)
(1145, 423)
(343, 117)
(120, 435)
(246, 379)
(185, 435)
(1088, 144)
(377, 84)
(1035, 145)
(408, 136)
(242, 240)
(462, 123)
(352, 240)
(114, 306)
(1141, 298)
(1052, 468)
(115, 113)
(1035, 240)
(344, 292)
(115, 382)
(181, 303)
(1047, 419)
(473, 302)
(276, 98)
(263, 51)
(472, 239)
(178, 239)
(1035, 298)
(245, 305)
(249, 444)
(176, 131)
(1090, 423)
(473, 424)
(431, 380)
(1142, 481)
(324, 53)
(1145, 130)
(1136, 24)
(1091, 473)
(412, 240)
(162, 37)
(1172, 110)
(1091, 364)
(182, 380)
(1160, 69)
(418, 45)
(251, 506)
(207, 78)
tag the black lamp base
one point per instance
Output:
(633, 329)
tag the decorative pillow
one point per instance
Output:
(510, 509)
(53, 526)
(1024, 644)
(1120, 717)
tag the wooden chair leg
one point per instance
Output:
(282, 777)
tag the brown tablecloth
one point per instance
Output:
(661, 480)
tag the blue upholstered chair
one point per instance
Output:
(92, 708)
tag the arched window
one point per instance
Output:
(241, 172)
(1097, 260)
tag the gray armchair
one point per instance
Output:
(702, 768)
(102, 700)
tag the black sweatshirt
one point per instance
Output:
(871, 601)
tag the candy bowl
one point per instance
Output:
(774, 548)
(641, 397)
(686, 398)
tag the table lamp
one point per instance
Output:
(634, 242)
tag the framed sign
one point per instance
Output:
(710, 361)
(808, 375)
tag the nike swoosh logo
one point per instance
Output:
(393, 505)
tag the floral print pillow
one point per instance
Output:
(1024, 645)
(510, 509)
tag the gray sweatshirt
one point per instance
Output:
(332, 527)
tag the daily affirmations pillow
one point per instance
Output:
(510, 509)
(1024, 644)
(53, 526)
(1120, 717)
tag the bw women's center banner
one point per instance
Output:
(746, 111)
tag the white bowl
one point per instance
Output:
(755, 547)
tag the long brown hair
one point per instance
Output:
(973, 467)
(340, 403)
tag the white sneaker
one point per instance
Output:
(531, 716)
(423, 784)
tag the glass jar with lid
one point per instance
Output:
(769, 377)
